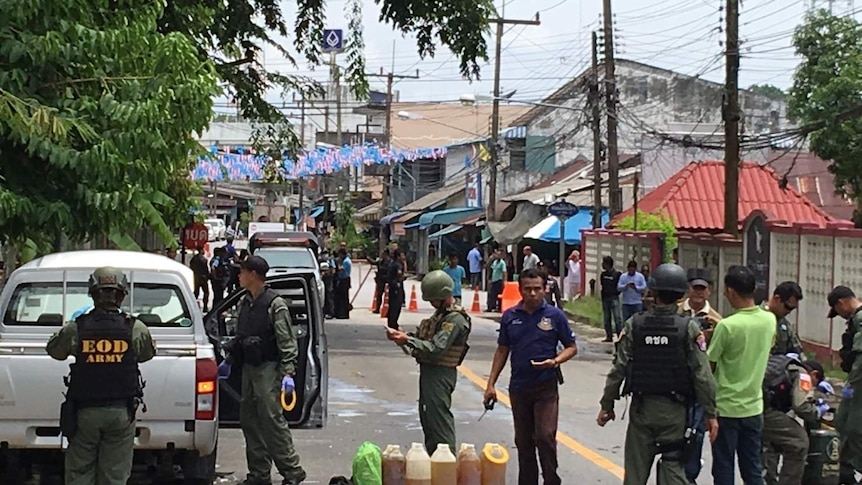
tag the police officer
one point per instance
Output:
(697, 306)
(784, 300)
(848, 419)
(787, 387)
(662, 358)
(439, 346)
(266, 348)
(394, 283)
(105, 386)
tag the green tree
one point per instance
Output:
(653, 222)
(826, 85)
(768, 90)
(97, 115)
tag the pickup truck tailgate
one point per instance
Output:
(31, 383)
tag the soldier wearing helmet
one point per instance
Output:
(99, 418)
(661, 359)
(439, 345)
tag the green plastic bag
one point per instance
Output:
(368, 465)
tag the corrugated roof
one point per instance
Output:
(694, 197)
(433, 125)
(810, 176)
(433, 198)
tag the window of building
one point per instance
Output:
(517, 153)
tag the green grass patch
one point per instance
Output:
(587, 309)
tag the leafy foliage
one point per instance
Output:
(653, 222)
(345, 229)
(828, 83)
(97, 112)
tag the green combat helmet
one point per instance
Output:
(669, 277)
(108, 277)
(437, 285)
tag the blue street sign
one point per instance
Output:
(333, 40)
(563, 209)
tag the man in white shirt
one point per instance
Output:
(531, 261)
(573, 278)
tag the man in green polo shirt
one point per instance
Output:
(739, 350)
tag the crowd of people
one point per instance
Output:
(743, 379)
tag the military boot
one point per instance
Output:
(294, 480)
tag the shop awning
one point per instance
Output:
(511, 232)
(548, 229)
(447, 216)
(446, 231)
(316, 211)
(386, 220)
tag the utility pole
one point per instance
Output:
(731, 122)
(491, 214)
(615, 196)
(387, 180)
(597, 136)
(302, 146)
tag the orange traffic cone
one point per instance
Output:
(476, 308)
(413, 306)
(374, 304)
(384, 309)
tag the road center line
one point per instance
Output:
(562, 438)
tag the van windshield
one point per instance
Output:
(287, 257)
(157, 305)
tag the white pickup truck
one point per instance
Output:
(179, 431)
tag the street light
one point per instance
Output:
(475, 98)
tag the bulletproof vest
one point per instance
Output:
(105, 367)
(778, 384)
(222, 271)
(848, 356)
(454, 355)
(659, 360)
(255, 321)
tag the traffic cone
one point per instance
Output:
(413, 307)
(476, 308)
(384, 309)
(374, 304)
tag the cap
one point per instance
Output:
(698, 277)
(813, 365)
(837, 294)
(699, 282)
(255, 264)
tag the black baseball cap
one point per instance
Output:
(255, 264)
(699, 277)
(837, 294)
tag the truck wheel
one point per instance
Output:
(199, 470)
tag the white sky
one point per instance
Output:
(682, 35)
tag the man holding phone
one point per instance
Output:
(530, 332)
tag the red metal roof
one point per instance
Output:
(694, 197)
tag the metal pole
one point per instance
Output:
(597, 137)
(562, 260)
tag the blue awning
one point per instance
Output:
(316, 211)
(386, 220)
(447, 216)
(548, 229)
(411, 226)
(445, 231)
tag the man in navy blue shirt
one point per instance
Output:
(530, 332)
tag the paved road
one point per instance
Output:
(373, 393)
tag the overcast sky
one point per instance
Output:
(683, 35)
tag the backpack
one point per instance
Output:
(778, 382)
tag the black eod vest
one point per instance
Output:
(778, 384)
(659, 360)
(105, 367)
(255, 321)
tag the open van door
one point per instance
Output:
(312, 367)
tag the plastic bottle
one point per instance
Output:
(444, 466)
(469, 466)
(494, 459)
(394, 466)
(418, 467)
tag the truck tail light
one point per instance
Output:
(206, 389)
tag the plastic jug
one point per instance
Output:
(469, 466)
(394, 466)
(418, 469)
(444, 466)
(494, 459)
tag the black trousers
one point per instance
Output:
(396, 299)
(378, 294)
(342, 298)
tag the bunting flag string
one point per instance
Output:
(241, 164)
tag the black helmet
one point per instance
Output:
(669, 277)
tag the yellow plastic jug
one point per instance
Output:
(494, 459)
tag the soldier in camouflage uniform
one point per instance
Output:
(848, 420)
(439, 346)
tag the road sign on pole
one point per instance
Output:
(195, 236)
(563, 209)
(333, 40)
